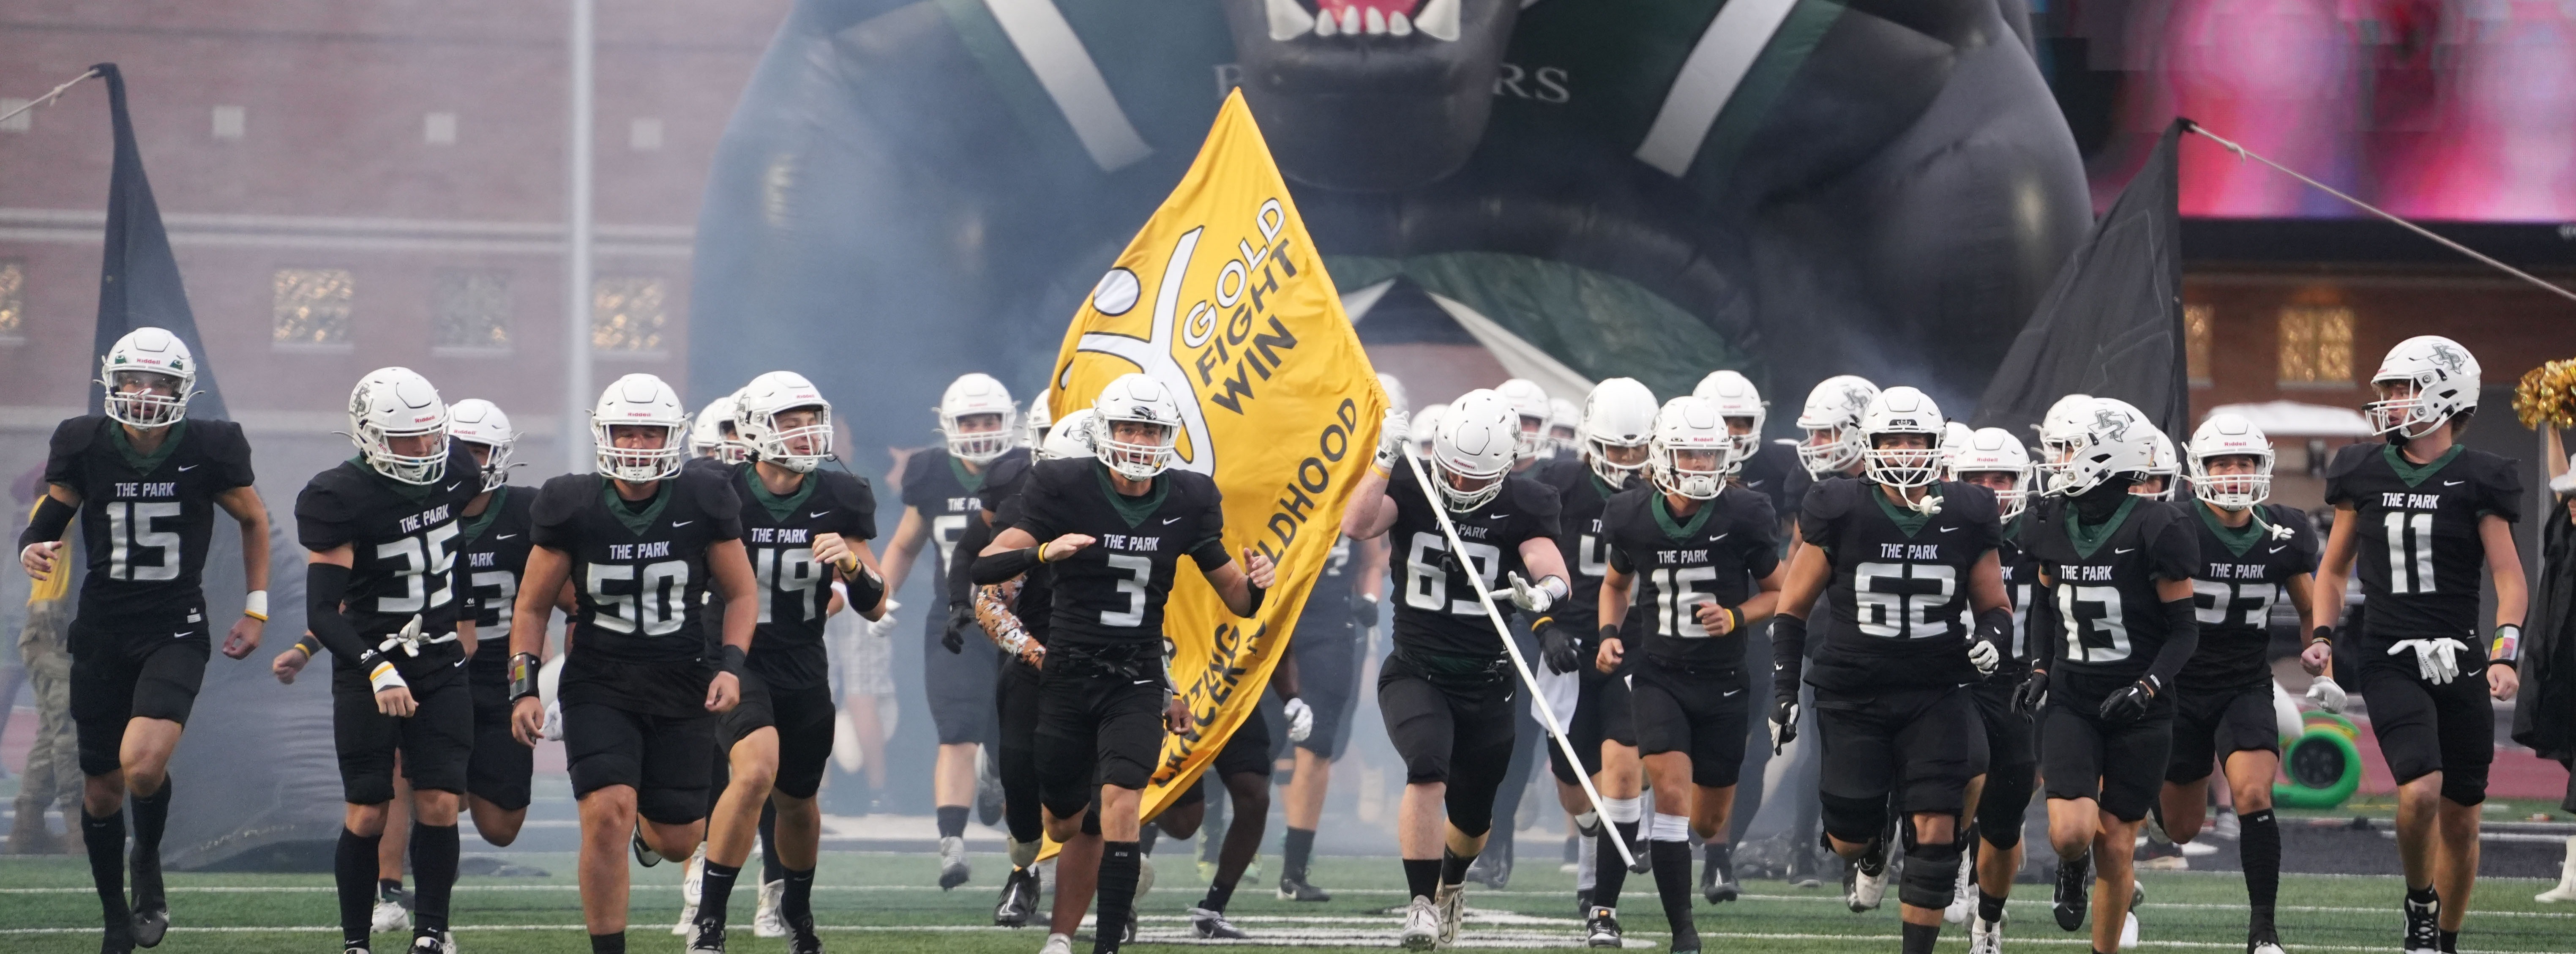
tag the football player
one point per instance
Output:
(1618, 422)
(1993, 458)
(1762, 467)
(1564, 423)
(1425, 425)
(1829, 447)
(2115, 568)
(1903, 559)
(652, 552)
(2420, 515)
(2250, 551)
(382, 592)
(1112, 530)
(712, 437)
(491, 551)
(1530, 402)
(1447, 692)
(944, 489)
(1691, 567)
(806, 531)
(1493, 867)
(145, 481)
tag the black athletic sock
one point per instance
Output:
(1213, 846)
(770, 868)
(2259, 847)
(1147, 838)
(715, 891)
(1119, 861)
(1610, 877)
(433, 866)
(1921, 938)
(386, 887)
(2450, 941)
(151, 817)
(353, 866)
(1219, 893)
(796, 904)
(952, 821)
(1421, 878)
(613, 943)
(1672, 867)
(1990, 906)
(1299, 850)
(105, 839)
(1453, 867)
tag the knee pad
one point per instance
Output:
(1472, 820)
(672, 806)
(2000, 809)
(1931, 874)
(2464, 788)
(1855, 820)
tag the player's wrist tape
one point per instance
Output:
(2321, 634)
(381, 674)
(523, 675)
(310, 644)
(255, 605)
(732, 660)
(1257, 592)
(1555, 587)
(2507, 647)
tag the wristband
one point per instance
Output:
(310, 644)
(381, 674)
(1039, 551)
(1257, 592)
(523, 675)
(2507, 646)
(255, 605)
(1734, 620)
(733, 659)
(2321, 634)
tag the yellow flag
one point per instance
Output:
(1222, 298)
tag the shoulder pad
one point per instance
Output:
(562, 497)
(1534, 497)
(1753, 507)
(2351, 457)
(75, 434)
(1974, 502)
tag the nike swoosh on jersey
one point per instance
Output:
(1728, 694)
(2122, 549)
(2279, 548)
(1168, 521)
(1716, 538)
(2446, 483)
(188, 468)
(676, 524)
(1498, 516)
(1945, 529)
(505, 536)
(180, 635)
(816, 515)
(454, 486)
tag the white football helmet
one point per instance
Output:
(1529, 401)
(1426, 423)
(1396, 400)
(1069, 438)
(477, 421)
(2229, 435)
(2058, 431)
(148, 351)
(1736, 397)
(1620, 412)
(2115, 440)
(1476, 444)
(2166, 467)
(715, 434)
(1902, 410)
(1995, 450)
(2440, 379)
(755, 421)
(1135, 399)
(1564, 427)
(639, 400)
(1954, 435)
(1833, 413)
(1691, 425)
(398, 402)
(1040, 420)
(970, 396)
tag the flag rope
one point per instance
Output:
(49, 95)
(2244, 153)
(1546, 712)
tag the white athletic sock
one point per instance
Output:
(1622, 810)
(1670, 828)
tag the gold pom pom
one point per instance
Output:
(2547, 394)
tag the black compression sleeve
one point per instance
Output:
(2045, 634)
(324, 585)
(866, 589)
(2182, 638)
(1995, 626)
(1000, 567)
(1788, 654)
(51, 519)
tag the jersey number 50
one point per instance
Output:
(656, 608)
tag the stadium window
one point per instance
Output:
(13, 301)
(470, 311)
(310, 308)
(2195, 337)
(2316, 346)
(628, 314)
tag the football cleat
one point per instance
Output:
(1986, 937)
(1452, 901)
(2074, 884)
(1963, 896)
(1057, 944)
(952, 862)
(151, 912)
(1295, 888)
(692, 875)
(644, 854)
(706, 936)
(1019, 898)
(2128, 930)
(766, 921)
(1601, 928)
(1865, 879)
(1421, 926)
(1212, 925)
(433, 942)
(2423, 927)
(1717, 875)
(1803, 867)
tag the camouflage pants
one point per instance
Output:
(53, 776)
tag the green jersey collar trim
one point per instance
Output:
(2237, 539)
(636, 523)
(2088, 540)
(1682, 531)
(145, 464)
(413, 492)
(472, 528)
(972, 481)
(1134, 510)
(778, 507)
(2414, 475)
(1907, 519)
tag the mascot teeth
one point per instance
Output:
(1439, 19)
(1288, 20)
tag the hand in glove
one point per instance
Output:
(1532, 597)
(1391, 438)
(883, 626)
(1984, 656)
(2436, 660)
(552, 730)
(961, 617)
(2326, 694)
(2032, 694)
(2130, 703)
(1560, 649)
(1301, 719)
(1784, 723)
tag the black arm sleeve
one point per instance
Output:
(2182, 637)
(977, 535)
(1001, 567)
(2045, 632)
(1995, 626)
(1788, 654)
(324, 585)
(51, 519)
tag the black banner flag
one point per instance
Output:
(138, 280)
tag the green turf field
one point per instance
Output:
(886, 902)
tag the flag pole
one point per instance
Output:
(49, 95)
(1547, 713)
(577, 243)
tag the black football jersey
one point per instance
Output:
(2021, 582)
(645, 633)
(146, 520)
(491, 553)
(1717, 554)
(1580, 538)
(796, 592)
(2111, 624)
(949, 497)
(1899, 594)
(1767, 473)
(1331, 604)
(403, 541)
(1111, 593)
(2419, 555)
(2241, 573)
(1437, 611)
